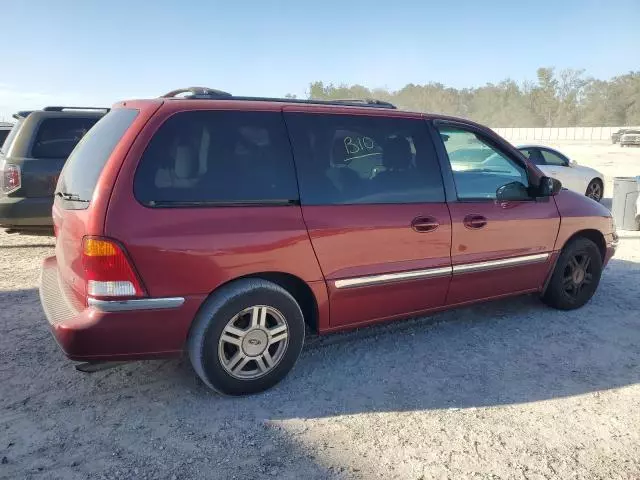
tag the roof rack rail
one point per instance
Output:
(62, 109)
(348, 103)
(22, 114)
(197, 92)
(204, 93)
(365, 101)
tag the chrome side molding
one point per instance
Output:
(137, 304)
(392, 277)
(440, 271)
(506, 262)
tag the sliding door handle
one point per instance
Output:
(424, 224)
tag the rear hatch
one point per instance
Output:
(79, 206)
(39, 145)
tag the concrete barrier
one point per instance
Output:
(582, 134)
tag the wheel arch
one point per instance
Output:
(594, 235)
(298, 288)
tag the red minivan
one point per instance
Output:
(226, 226)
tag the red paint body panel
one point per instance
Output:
(361, 240)
(580, 213)
(512, 229)
(205, 248)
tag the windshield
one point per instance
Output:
(82, 170)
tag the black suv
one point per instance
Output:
(31, 159)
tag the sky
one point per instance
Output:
(97, 52)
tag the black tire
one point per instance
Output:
(212, 318)
(590, 189)
(565, 295)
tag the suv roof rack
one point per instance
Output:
(62, 109)
(22, 114)
(204, 93)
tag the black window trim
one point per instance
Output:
(508, 151)
(159, 204)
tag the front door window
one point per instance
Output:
(478, 168)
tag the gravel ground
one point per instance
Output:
(510, 389)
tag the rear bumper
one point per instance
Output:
(89, 333)
(25, 212)
(630, 142)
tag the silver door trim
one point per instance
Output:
(392, 277)
(505, 262)
(138, 304)
(440, 271)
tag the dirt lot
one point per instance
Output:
(509, 389)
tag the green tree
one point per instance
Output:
(567, 98)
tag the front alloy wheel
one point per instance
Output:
(576, 275)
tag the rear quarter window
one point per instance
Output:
(6, 145)
(82, 170)
(57, 137)
(217, 157)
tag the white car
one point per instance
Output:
(578, 178)
(630, 137)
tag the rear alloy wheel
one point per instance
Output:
(246, 337)
(576, 275)
(253, 342)
(595, 190)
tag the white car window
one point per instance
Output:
(552, 159)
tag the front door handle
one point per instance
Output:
(475, 222)
(424, 224)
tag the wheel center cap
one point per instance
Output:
(255, 342)
(578, 275)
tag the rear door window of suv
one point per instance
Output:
(6, 145)
(82, 170)
(204, 158)
(3, 135)
(57, 137)
(345, 159)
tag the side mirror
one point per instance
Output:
(549, 187)
(512, 191)
(573, 163)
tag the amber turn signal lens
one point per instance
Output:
(99, 248)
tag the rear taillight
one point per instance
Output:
(11, 178)
(108, 271)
